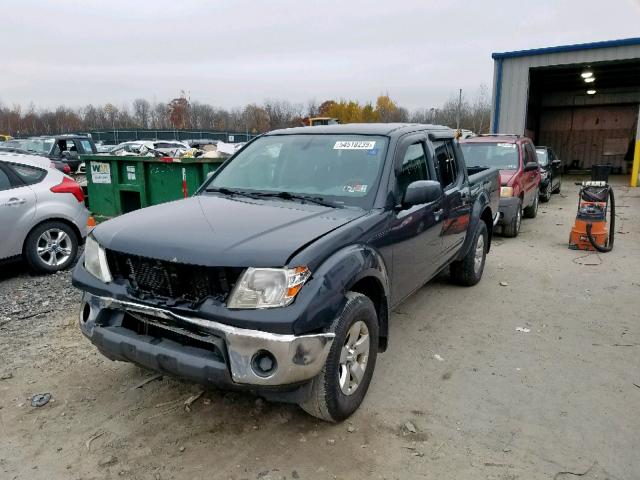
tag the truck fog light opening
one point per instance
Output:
(264, 364)
(86, 311)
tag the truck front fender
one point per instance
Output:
(351, 268)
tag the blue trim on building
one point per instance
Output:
(496, 106)
(567, 48)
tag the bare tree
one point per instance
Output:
(142, 112)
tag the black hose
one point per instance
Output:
(612, 227)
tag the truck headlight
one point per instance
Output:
(506, 191)
(267, 287)
(543, 174)
(95, 260)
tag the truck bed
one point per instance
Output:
(485, 178)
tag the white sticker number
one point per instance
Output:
(354, 145)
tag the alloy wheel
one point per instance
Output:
(354, 357)
(54, 247)
(479, 255)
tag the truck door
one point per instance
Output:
(451, 176)
(415, 231)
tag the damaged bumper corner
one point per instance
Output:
(291, 359)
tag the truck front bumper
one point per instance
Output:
(201, 350)
(508, 209)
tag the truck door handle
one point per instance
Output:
(14, 202)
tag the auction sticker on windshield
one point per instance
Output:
(354, 145)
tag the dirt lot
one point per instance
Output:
(485, 400)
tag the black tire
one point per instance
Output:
(513, 228)
(546, 196)
(532, 210)
(62, 261)
(327, 400)
(557, 189)
(466, 272)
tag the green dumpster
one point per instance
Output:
(121, 184)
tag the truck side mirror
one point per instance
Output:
(531, 166)
(422, 191)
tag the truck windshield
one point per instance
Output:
(503, 156)
(342, 169)
(42, 146)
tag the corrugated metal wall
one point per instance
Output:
(515, 79)
(590, 135)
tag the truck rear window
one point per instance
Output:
(341, 168)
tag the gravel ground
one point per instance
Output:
(29, 298)
(532, 374)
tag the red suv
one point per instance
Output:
(515, 157)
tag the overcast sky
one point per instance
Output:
(229, 53)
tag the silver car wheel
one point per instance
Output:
(479, 255)
(354, 357)
(54, 247)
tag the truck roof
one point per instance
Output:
(494, 138)
(362, 129)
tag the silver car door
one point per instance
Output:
(17, 211)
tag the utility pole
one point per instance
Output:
(459, 110)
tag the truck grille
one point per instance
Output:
(172, 282)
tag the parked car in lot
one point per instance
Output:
(550, 172)
(516, 158)
(62, 148)
(278, 276)
(63, 167)
(45, 211)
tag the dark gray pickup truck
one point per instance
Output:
(278, 276)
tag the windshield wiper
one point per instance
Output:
(229, 192)
(294, 196)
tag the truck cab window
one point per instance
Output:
(446, 165)
(86, 146)
(414, 167)
(68, 146)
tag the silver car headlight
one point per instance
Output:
(267, 287)
(95, 260)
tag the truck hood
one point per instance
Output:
(506, 176)
(211, 230)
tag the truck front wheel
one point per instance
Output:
(468, 271)
(340, 388)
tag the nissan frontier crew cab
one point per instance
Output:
(278, 275)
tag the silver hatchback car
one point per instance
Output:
(42, 214)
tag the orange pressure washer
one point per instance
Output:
(590, 230)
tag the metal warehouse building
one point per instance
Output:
(581, 100)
